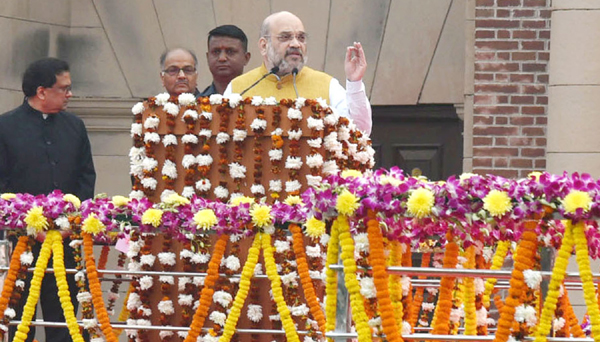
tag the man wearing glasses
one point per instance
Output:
(283, 46)
(178, 71)
(42, 149)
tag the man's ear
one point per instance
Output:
(262, 46)
(40, 92)
(248, 55)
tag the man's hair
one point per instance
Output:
(42, 73)
(231, 31)
(164, 55)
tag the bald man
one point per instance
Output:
(283, 44)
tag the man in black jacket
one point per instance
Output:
(44, 148)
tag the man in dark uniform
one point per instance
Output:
(44, 148)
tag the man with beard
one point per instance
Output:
(283, 46)
(178, 71)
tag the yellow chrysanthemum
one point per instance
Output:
(36, 220)
(176, 200)
(535, 174)
(7, 196)
(497, 203)
(293, 200)
(120, 201)
(385, 179)
(152, 216)
(205, 218)
(92, 225)
(347, 203)
(420, 202)
(241, 199)
(261, 215)
(314, 227)
(73, 199)
(466, 176)
(577, 199)
(351, 173)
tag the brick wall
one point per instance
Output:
(512, 41)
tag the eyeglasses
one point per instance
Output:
(287, 37)
(63, 90)
(174, 71)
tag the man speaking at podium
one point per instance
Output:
(283, 74)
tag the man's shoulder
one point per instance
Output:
(312, 72)
(252, 74)
(12, 114)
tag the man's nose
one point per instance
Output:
(181, 74)
(223, 56)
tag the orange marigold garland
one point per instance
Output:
(9, 281)
(307, 284)
(208, 289)
(441, 316)
(418, 297)
(380, 278)
(524, 260)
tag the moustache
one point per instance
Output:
(294, 51)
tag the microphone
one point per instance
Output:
(294, 73)
(273, 71)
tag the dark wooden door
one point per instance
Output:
(423, 139)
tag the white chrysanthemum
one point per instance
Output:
(149, 164)
(167, 258)
(293, 163)
(322, 102)
(84, 297)
(166, 307)
(89, 323)
(10, 313)
(146, 282)
(188, 161)
(270, 101)
(216, 99)
(331, 119)
(169, 169)
(204, 160)
(281, 246)
(222, 138)
(527, 314)
(456, 314)
(189, 139)
(363, 157)
(299, 310)
(222, 298)
(218, 317)
(313, 251)
(316, 124)
(361, 243)
(290, 279)
(26, 258)
(291, 186)
(257, 100)
(313, 180)
(405, 281)
(277, 131)
(146, 312)
(186, 99)
(300, 102)
(138, 108)
(330, 168)
(481, 315)
(203, 185)
(258, 270)
(133, 301)
(295, 134)
(258, 124)
(151, 122)
(367, 287)
(210, 338)
(343, 133)
(275, 154)
(169, 140)
(221, 192)
(239, 134)
(314, 274)
(201, 258)
(533, 279)
(137, 153)
(314, 160)
(148, 183)
(171, 109)
(274, 318)
(254, 313)
(20, 284)
(164, 334)
(190, 113)
(427, 307)
(75, 244)
(294, 114)
(151, 137)
(207, 115)
(375, 322)
(206, 133)
(183, 334)
(558, 323)
(136, 194)
(275, 185)
(234, 100)
(161, 99)
(257, 189)
(237, 170)
(185, 299)
(62, 222)
(147, 259)
(479, 285)
(232, 262)
(315, 143)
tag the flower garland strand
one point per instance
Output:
(64, 294)
(244, 288)
(524, 260)
(331, 278)
(418, 298)
(497, 261)
(394, 281)
(307, 284)
(469, 294)
(95, 289)
(11, 277)
(441, 316)
(34, 289)
(380, 278)
(208, 289)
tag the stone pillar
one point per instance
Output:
(574, 94)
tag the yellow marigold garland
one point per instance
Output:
(244, 288)
(34, 289)
(284, 312)
(95, 289)
(380, 279)
(469, 294)
(307, 284)
(585, 272)
(502, 249)
(524, 260)
(394, 281)
(64, 295)
(11, 277)
(331, 278)
(356, 299)
(441, 316)
(207, 291)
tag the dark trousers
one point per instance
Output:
(51, 308)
